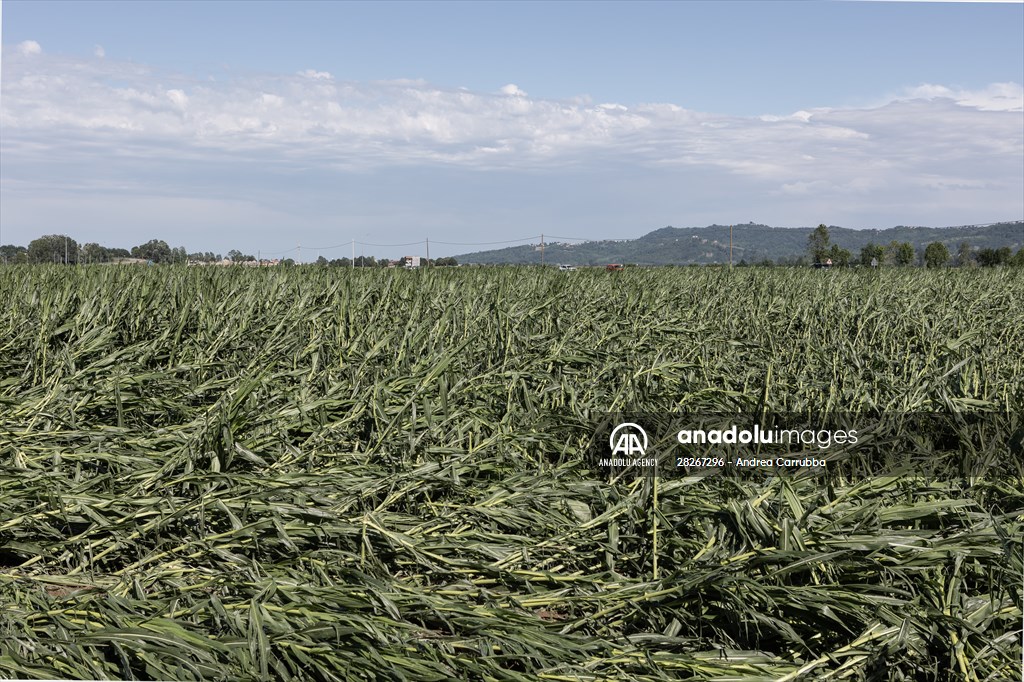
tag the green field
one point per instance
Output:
(230, 473)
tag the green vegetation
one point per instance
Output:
(756, 243)
(900, 253)
(157, 251)
(936, 255)
(872, 255)
(818, 244)
(53, 248)
(327, 473)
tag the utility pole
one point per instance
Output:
(65, 249)
(542, 248)
(300, 254)
(428, 250)
(353, 252)
(730, 246)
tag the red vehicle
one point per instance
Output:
(613, 267)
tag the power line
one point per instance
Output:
(391, 245)
(328, 248)
(280, 253)
(424, 241)
(506, 241)
(591, 239)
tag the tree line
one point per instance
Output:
(371, 262)
(934, 255)
(59, 248)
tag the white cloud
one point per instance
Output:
(928, 139)
(995, 97)
(801, 115)
(99, 52)
(512, 90)
(178, 98)
(411, 121)
(29, 47)
(272, 101)
(316, 75)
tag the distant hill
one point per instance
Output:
(751, 242)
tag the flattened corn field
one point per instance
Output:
(333, 475)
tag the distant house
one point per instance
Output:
(410, 261)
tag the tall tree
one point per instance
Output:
(53, 248)
(94, 253)
(936, 255)
(901, 253)
(872, 252)
(818, 243)
(155, 250)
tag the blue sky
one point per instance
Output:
(260, 126)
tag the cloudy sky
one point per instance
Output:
(262, 126)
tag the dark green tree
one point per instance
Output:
(992, 257)
(839, 256)
(936, 255)
(11, 254)
(53, 248)
(872, 252)
(94, 253)
(155, 250)
(818, 244)
(901, 253)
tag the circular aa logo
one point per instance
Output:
(628, 439)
